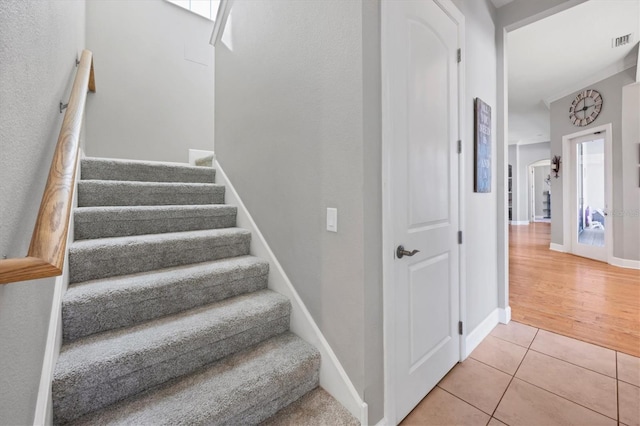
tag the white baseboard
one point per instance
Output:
(518, 222)
(333, 378)
(504, 315)
(557, 247)
(44, 405)
(481, 331)
(625, 263)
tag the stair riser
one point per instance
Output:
(110, 170)
(105, 225)
(105, 193)
(126, 309)
(109, 261)
(71, 402)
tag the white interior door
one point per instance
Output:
(420, 45)
(589, 195)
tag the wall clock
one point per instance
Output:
(585, 107)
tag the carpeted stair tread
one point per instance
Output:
(118, 221)
(94, 306)
(107, 257)
(317, 408)
(99, 370)
(149, 171)
(131, 193)
(245, 388)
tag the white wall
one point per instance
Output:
(38, 48)
(626, 224)
(479, 216)
(154, 76)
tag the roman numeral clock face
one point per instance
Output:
(585, 107)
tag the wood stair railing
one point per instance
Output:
(45, 257)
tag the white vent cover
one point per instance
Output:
(622, 40)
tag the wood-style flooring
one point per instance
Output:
(570, 295)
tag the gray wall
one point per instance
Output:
(40, 41)
(624, 226)
(631, 169)
(154, 73)
(480, 210)
(298, 130)
(290, 133)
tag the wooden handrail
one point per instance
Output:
(49, 240)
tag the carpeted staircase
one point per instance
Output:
(168, 319)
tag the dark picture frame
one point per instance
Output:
(482, 146)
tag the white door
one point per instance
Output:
(420, 44)
(588, 204)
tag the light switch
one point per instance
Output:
(332, 219)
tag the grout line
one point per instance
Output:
(489, 365)
(576, 365)
(566, 399)
(513, 376)
(466, 402)
(508, 341)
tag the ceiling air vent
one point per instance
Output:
(622, 40)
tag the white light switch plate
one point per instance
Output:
(332, 219)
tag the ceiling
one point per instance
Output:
(500, 3)
(561, 54)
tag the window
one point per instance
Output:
(205, 8)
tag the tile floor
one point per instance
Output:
(520, 375)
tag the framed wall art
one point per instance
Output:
(482, 146)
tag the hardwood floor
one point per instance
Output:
(570, 295)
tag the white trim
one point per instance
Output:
(566, 185)
(333, 378)
(557, 247)
(625, 263)
(388, 289)
(44, 407)
(224, 9)
(541, 219)
(504, 315)
(52, 350)
(482, 330)
(518, 222)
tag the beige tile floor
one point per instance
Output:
(520, 375)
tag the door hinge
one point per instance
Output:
(459, 237)
(459, 55)
(459, 146)
(460, 328)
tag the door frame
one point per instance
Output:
(567, 140)
(388, 247)
(532, 184)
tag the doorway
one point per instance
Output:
(587, 193)
(540, 191)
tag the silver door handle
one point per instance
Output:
(400, 252)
